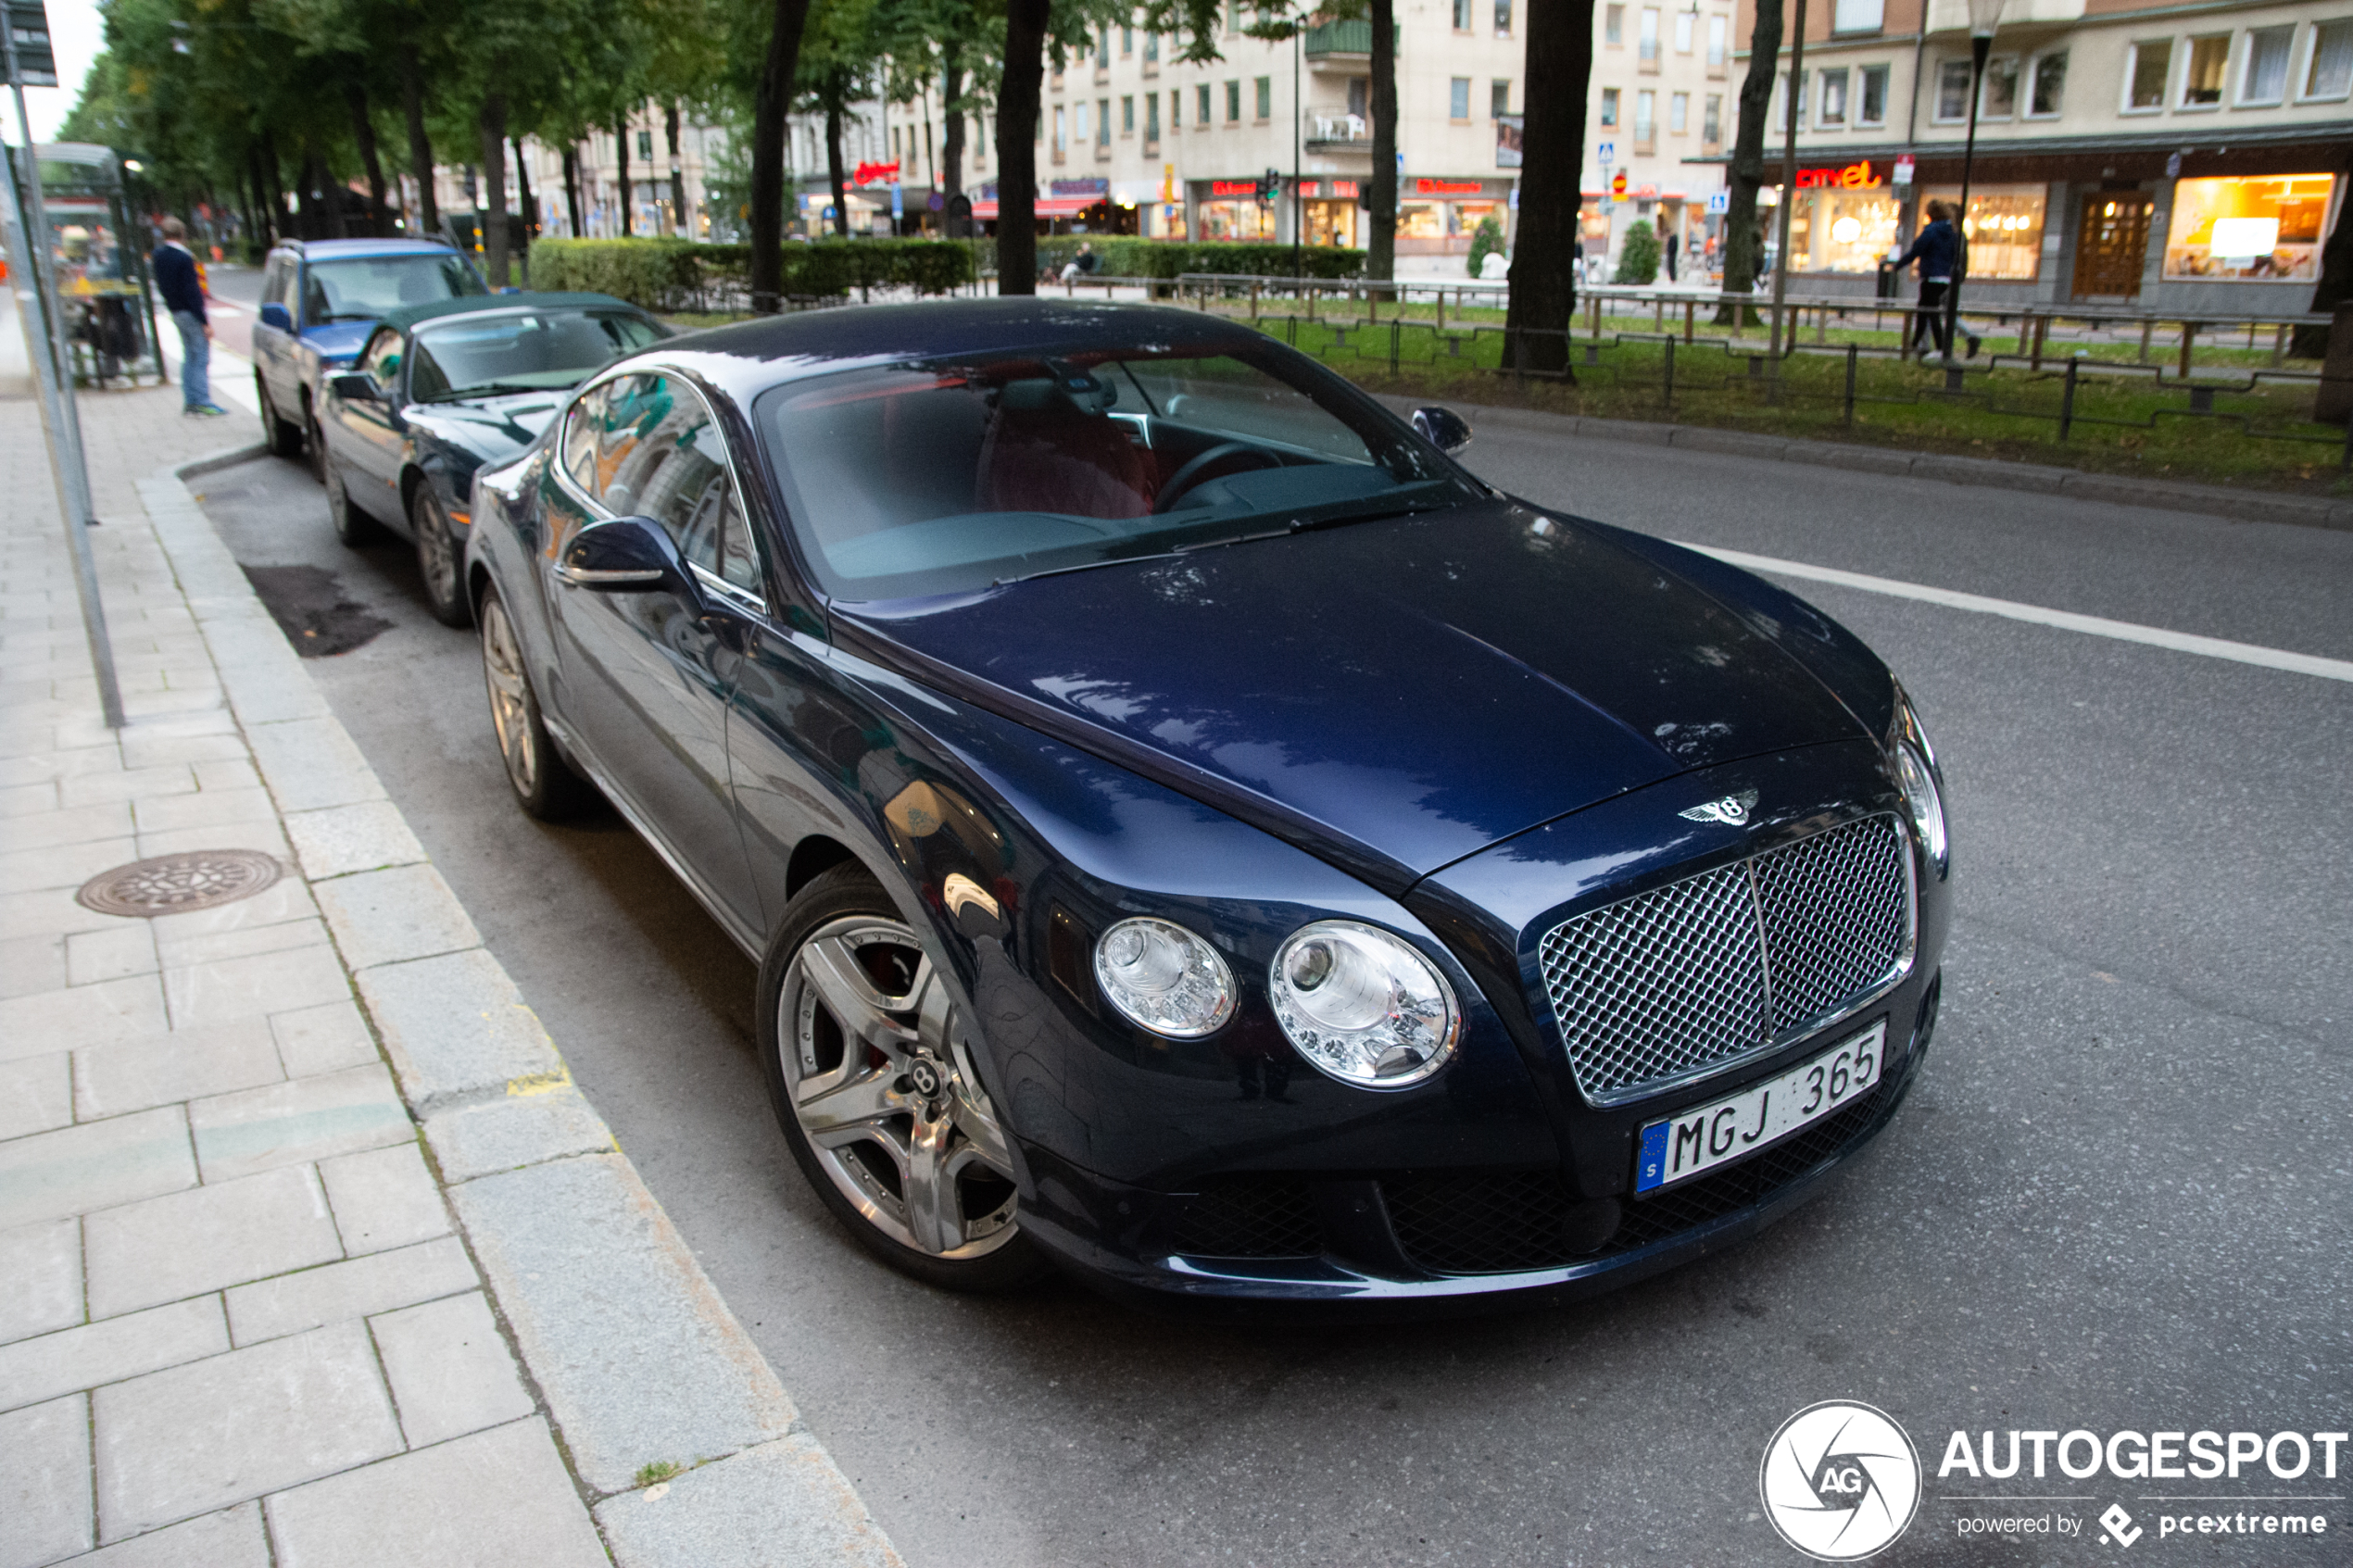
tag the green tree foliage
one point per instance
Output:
(1638, 255)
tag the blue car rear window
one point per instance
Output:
(362, 288)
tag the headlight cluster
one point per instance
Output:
(1359, 1003)
(1915, 770)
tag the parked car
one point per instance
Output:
(438, 390)
(318, 300)
(1193, 830)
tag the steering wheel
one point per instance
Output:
(1186, 477)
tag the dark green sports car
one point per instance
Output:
(443, 389)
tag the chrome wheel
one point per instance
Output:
(438, 555)
(882, 1089)
(510, 699)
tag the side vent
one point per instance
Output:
(1067, 946)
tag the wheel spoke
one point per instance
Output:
(841, 1106)
(934, 1207)
(863, 1011)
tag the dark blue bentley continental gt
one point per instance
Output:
(1195, 832)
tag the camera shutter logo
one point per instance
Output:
(1840, 1481)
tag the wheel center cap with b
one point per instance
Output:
(925, 1078)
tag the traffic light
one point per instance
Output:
(1270, 185)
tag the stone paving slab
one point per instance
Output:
(97, 1166)
(110, 1351)
(310, 1298)
(449, 1369)
(44, 1486)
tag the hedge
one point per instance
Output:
(672, 274)
(1126, 257)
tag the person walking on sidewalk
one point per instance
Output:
(1937, 248)
(175, 270)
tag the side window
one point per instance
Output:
(381, 361)
(579, 446)
(662, 457)
(273, 281)
(426, 381)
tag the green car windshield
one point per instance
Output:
(519, 351)
(362, 288)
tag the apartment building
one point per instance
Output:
(1664, 93)
(2186, 157)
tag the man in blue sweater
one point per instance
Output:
(1937, 249)
(176, 279)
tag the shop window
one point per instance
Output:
(1719, 32)
(2001, 89)
(1610, 107)
(1458, 98)
(2144, 81)
(1614, 26)
(1421, 220)
(2330, 75)
(1463, 9)
(1711, 121)
(1265, 97)
(2209, 62)
(1870, 106)
(1858, 16)
(1678, 114)
(1837, 230)
(1834, 112)
(1952, 92)
(2050, 85)
(2255, 230)
(1683, 21)
(1499, 99)
(1234, 102)
(2004, 227)
(2264, 79)
(1503, 18)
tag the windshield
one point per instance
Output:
(941, 477)
(521, 351)
(367, 287)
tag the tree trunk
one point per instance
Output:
(321, 218)
(412, 101)
(273, 185)
(2333, 289)
(1744, 240)
(528, 205)
(952, 135)
(1381, 261)
(833, 158)
(771, 115)
(491, 211)
(620, 172)
(265, 226)
(1544, 274)
(571, 191)
(679, 224)
(1017, 97)
(363, 132)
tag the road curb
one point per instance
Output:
(2210, 500)
(640, 1361)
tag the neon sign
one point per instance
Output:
(1448, 187)
(877, 174)
(1854, 177)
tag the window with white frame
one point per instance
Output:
(1645, 115)
(1678, 113)
(1102, 122)
(1719, 30)
(1499, 98)
(1503, 18)
(1683, 21)
(1463, 15)
(1610, 107)
(1711, 125)
(2329, 73)
(1832, 114)
(2209, 63)
(1780, 108)
(1613, 25)
(1870, 96)
(2049, 88)
(1646, 42)
(2263, 79)
(1952, 92)
(1264, 99)
(1858, 16)
(2001, 89)
(2145, 77)
(1458, 98)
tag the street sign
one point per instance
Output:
(1606, 154)
(1720, 201)
(1617, 186)
(897, 201)
(1903, 169)
(36, 61)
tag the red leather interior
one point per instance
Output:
(1060, 459)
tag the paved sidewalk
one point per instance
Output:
(309, 1251)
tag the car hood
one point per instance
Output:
(336, 342)
(1400, 694)
(492, 429)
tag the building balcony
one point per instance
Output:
(1339, 134)
(1339, 43)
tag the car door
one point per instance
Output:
(647, 676)
(272, 342)
(367, 437)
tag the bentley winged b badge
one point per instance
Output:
(1732, 810)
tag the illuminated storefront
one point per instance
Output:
(1229, 209)
(2004, 226)
(2264, 228)
(1332, 212)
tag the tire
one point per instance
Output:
(874, 1089)
(282, 439)
(439, 562)
(353, 527)
(545, 784)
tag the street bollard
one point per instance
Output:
(1667, 394)
(1690, 316)
(1253, 299)
(1396, 329)
(2148, 326)
(1851, 352)
(2189, 332)
(2067, 403)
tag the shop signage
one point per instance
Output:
(1233, 188)
(877, 173)
(1342, 187)
(1854, 177)
(1096, 187)
(1904, 169)
(1447, 187)
(1618, 185)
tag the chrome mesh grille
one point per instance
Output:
(1717, 966)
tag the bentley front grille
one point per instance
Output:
(1687, 979)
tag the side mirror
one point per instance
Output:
(627, 555)
(273, 315)
(1442, 428)
(353, 386)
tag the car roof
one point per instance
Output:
(330, 250)
(410, 315)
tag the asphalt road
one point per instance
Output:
(2116, 1199)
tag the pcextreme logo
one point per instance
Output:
(1840, 1481)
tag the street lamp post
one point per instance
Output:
(1984, 17)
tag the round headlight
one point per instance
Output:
(1163, 977)
(1361, 1006)
(1920, 798)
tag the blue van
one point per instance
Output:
(319, 300)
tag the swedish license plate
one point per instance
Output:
(1692, 1142)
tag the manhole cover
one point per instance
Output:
(173, 885)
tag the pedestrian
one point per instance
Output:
(1083, 264)
(1674, 243)
(175, 269)
(1937, 248)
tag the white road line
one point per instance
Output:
(2066, 620)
